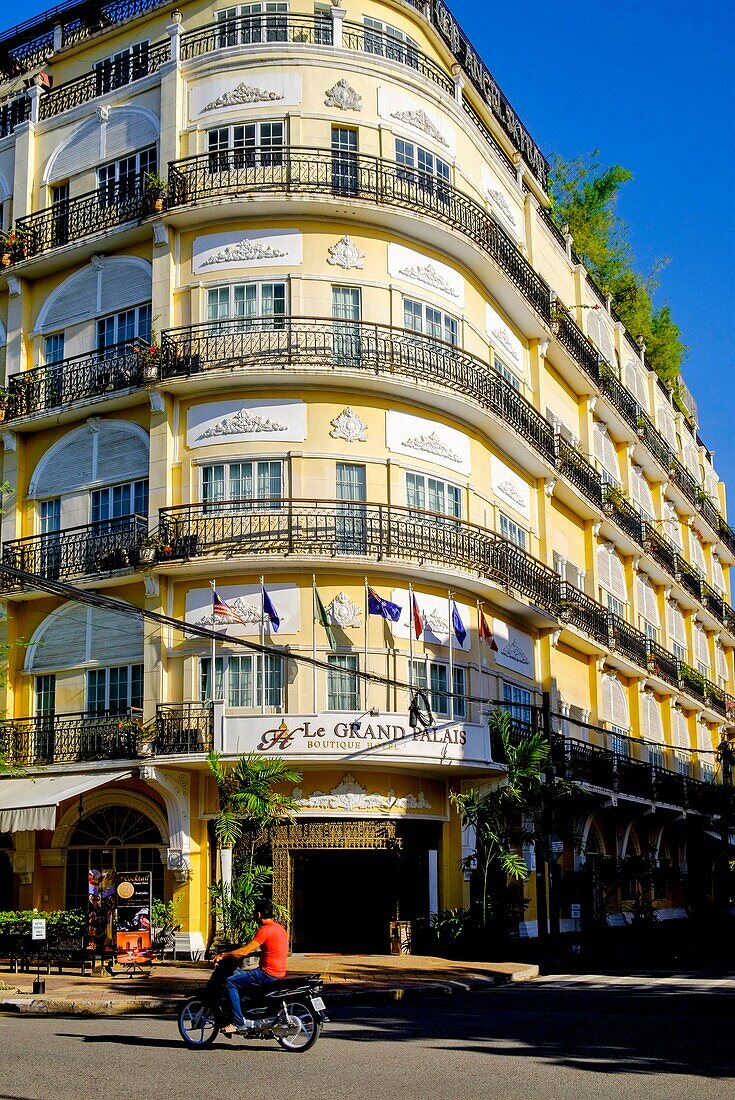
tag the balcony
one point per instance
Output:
(67, 739)
(92, 550)
(72, 220)
(321, 344)
(94, 374)
(291, 170)
(183, 728)
(90, 86)
(323, 528)
(579, 471)
(622, 511)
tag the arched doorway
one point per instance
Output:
(7, 875)
(116, 836)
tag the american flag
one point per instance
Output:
(220, 610)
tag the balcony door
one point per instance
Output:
(344, 160)
(43, 713)
(346, 311)
(351, 488)
(60, 214)
(50, 538)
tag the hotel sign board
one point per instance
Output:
(336, 735)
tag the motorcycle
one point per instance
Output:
(289, 1011)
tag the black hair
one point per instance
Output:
(265, 908)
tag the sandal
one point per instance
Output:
(230, 1029)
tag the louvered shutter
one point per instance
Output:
(704, 742)
(666, 425)
(653, 729)
(125, 131)
(80, 150)
(614, 703)
(599, 333)
(672, 525)
(718, 575)
(67, 467)
(711, 485)
(680, 730)
(723, 672)
(611, 573)
(636, 383)
(605, 451)
(698, 554)
(641, 491)
(62, 640)
(73, 301)
(115, 638)
(122, 454)
(647, 602)
(691, 461)
(128, 130)
(118, 284)
(676, 626)
(123, 283)
(701, 648)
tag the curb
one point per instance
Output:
(168, 1006)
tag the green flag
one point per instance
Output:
(324, 620)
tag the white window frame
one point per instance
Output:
(231, 665)
(134, 671)
(240, 149)
(511, 530)
(237, 299)
(123, 67)
(260, 28)
(231, 476)
(426, 675)
(428, 317)
(347, 665)
(119, 324)
(430, 485)
(419, 165)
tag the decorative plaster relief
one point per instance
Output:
(515, 649)
(415, 435)
(227, 421)
(503, 338)
(433, 445)
(409, 112)
(434, 613)
(244, 600)
(509, 486)
(242, 94)
(421, 121)
(260, 248)
(348, 795)
(502, 199)
(406, 263)
(344, 96)
(346, 254)
(348, 425)
(344, 612)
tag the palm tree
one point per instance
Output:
(494, 814)
(248, 807)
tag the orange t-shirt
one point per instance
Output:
(274, 951)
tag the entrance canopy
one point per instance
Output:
(27, 804)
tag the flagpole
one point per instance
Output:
(451, 657)
(365, 648)
(262, 645)
(410, 638)
(313, 640)
(214, 647)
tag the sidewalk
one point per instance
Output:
(345, 977)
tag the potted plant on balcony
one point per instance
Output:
(150, 548)
(6, 249)
(640, 426)
(613, 499)
(156, 190)
(150, 358)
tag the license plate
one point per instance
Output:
(318, 1004)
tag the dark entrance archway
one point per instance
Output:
(8, 899)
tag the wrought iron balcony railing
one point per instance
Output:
(68, 738)
(109, 207)
(184, 728)
(367, 40)
(94, 374)
(329, 345)
(116, 74)
(352, 176)
(93, 549)
(13, 112)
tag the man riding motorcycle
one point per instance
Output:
(271, 940)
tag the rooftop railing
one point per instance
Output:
(102, 79)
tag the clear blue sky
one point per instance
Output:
(650, 84)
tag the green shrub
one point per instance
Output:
(61, 923)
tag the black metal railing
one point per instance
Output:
(94, 374)
(578, 470)
(13, 112)
(576, 343)
(367, 40)
(89, 550)
(321, 344)
(623, 512)
(68, 738)
(116, 74)
(260, 29)
(184, 728)
(353, 176)
(325, 528)
(70, 221)
(620, 397)
(579, 610)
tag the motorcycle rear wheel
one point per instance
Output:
(307, 1032)
(198, 1024)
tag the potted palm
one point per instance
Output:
(156, 190)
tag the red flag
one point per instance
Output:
(418, 619)
(485, 633)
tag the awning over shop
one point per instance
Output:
(27, 804)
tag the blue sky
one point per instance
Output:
(649, 83)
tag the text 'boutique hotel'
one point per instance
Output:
(283, 309)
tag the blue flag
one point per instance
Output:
(460, 630)
(269, 610)
(378, 606)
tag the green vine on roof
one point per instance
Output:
(584, 196)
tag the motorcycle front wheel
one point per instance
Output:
(198, 1024)
(304, 1029)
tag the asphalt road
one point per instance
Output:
(556, 1039)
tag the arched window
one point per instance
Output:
(698, 553)
(723, 671)
(718, 574)
(102, 138)
(635, 380)
(118, 837)
(691, 461)
(677, 631)
(666, 424)
(641, 492)
(104, 451)
(74, 636)
(672, 524)
(701, 649)
(647, 606)
(681, 740)
(652, 728)
(599, 333)
(615, 712)
(705, 749)
(611, 575)
(605, 452)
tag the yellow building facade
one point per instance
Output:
(284, 309)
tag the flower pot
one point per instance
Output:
(147, 555)
(6, 259)
(146, 748)
(150, 371)
(158, 204)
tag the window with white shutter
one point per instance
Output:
(677, 631)
(672, 524)
(723, 672)
(647, 607)
(641, 492)
(701, 649)
(680, 738)
(653, 728)
(599, 333)
(636, 382)
(605, 452)
(712, 485)
(698, 553)
(705, 749)
(611, 577)
(109, 450)
(718, 575)
(691, 461)
(111, 284)
(74, 635)
(614, 706)
(666, 425)
(95, 140)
